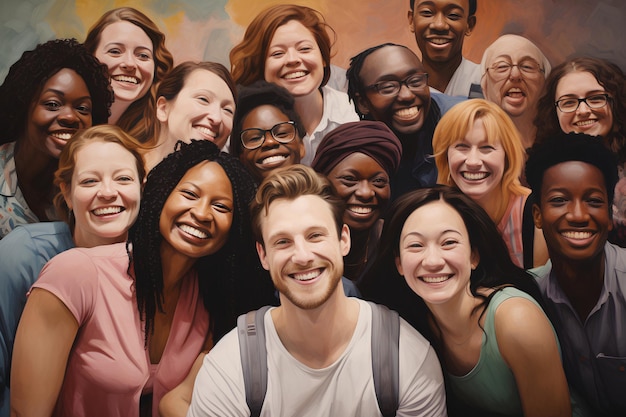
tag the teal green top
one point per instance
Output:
(491, 386)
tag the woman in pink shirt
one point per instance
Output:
(109, 330)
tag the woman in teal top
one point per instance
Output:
(461, 290)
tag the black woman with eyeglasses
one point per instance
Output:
(267, 131)
(514, 74)
(388, 83)
(588, 95)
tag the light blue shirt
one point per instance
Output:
(23, 253)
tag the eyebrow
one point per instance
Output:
(414, 233)
(62, 93)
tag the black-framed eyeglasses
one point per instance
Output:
(414, 82)
(528, 68)
(571, 104)
(281, 132)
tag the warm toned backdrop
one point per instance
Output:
(207, 29)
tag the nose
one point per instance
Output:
(202, 211)
(577, 213)
(405, 93)
(439, 22)
(215, 114)
(302, 254)
(293, 57)
(364, 190)
(515, 73)
(433, 261)
(128, 61)
(68, 117)
(107, 190)
(583, 110)
(473, 157)
(269, 141)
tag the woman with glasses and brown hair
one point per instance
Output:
(514, 74)
(588, 95)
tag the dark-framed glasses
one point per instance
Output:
(392, 87)
(282, 132)
(571, 104)
(502, 69)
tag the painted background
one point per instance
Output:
(207, 29)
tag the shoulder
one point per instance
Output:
(337, 106)
(445, 102)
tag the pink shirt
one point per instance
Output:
(511, 228)
(108, 366)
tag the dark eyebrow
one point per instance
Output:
(61, 93)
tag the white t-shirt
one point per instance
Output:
(345, 388)
(337, 110)
(466, 74)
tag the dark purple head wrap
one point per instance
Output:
(373, 139)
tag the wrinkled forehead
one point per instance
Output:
(513, 48)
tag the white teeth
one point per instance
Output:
(62, 136)
(408, 113)
(206, 131)
(107, 210)
(435, 280)
(516, 92)
(307, 276)
(293, 75)
(439, 41)
(474, 176)
(126, 79)
(273, 159)
(577, 235)
(584, 123)
(193, 231)
(360, 209)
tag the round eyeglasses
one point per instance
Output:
(502, 69)
(571, 104)
(282, 132)
(415, 82)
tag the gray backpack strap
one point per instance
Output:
(385, 358)
(251, 332)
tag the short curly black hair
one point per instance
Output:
(28, 74)
(258, 94)
(232, 280)
(565, 147)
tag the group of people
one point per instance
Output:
(146, 206)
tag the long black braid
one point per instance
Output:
(231, 281)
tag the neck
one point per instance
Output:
(440, 73)
(174, 265)
(317, 337)
(581, 281)
(118, 107)
(526, 128)
(310, 108)
(158, 152)
(35, 173)
(456, 318)
(491, 203)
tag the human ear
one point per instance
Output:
(260, 250)
(537, 219)
(162, 109)
(409, 17)
(399, 265)
(345, 240)
(65, 190)
(474, 259)
(362, 104)
(471, 24)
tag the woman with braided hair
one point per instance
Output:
(109, 330)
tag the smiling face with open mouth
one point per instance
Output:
(477, 164)
(574, 211)
(197, 215)
(104, 193)
(436, 258)
(364, 185)
(128, 53)
(62, 107)
(440, 27)
(302, 250)
(203, 109)
(272, 154)
(405, 112)
(595, 122)
(294, 60)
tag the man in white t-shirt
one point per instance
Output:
(318, 341)
(440, 27)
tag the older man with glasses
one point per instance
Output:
(514, 73)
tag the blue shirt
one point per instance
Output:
(23, 253)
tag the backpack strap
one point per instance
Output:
(251, 331)
(528, 231)
(385, 358)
